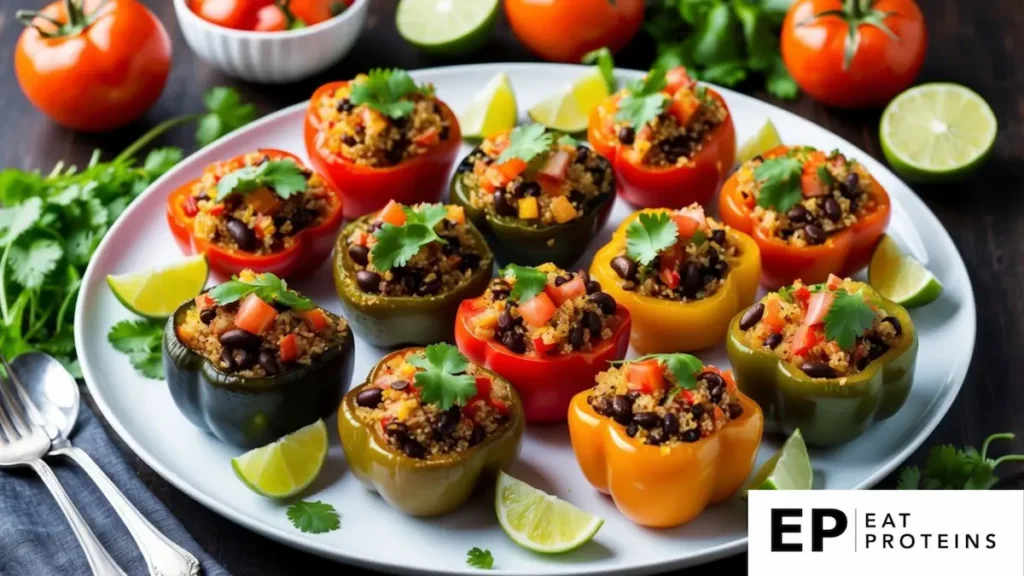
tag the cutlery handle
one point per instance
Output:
(99, 560)
(163, 557)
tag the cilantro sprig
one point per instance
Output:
(648, 235)
(849, 317)
(141, 340)
(443, 380)
(478, 558)
(644, 100)
(684, 368)
(397, 244)
(266, 286)
(526, 143)
(386, 90)
(284, 177)
(314, 517)
(950, 468)
(529, 281)
(780, 183)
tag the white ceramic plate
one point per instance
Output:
(142, 411)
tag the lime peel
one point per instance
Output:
(788, 469)
(287, 466)
(539, 521)
(157, 293)
(568, 110)
(900, 277)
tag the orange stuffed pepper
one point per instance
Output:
(665, 436)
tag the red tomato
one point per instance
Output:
(104, 68)
(311, 12)
(271, 19)
(818, 307)
(646, 376)
(255, 315)
(841, 54)
(565, 30)
(237, 14)
(288, 348)
(567, 291)
(537, 310)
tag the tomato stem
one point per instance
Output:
(77, 19)
(152, 134)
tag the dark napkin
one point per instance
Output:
(36, 540)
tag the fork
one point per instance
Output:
(23, 445)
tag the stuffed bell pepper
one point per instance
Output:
(539, 198)
(427, 426)
(251, 361)
(828, 358)
(548, 331)
(382, 137)
(812, 214)
(665, 436)
(261, 211)
(402, 272)
(671, 141)
(682, 275)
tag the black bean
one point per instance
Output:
(577, 337)
(752, 316)
(477, 435)
(446, 131)
(691, 435)
(601, 405)
(670, 424)
(718, 237)
(268, 360)
(878, 347)
(629, 285)
(632, 395)
(797, 214)
(345, 105)
(713, 258)
(227, 359)
(359, 254)
(395, 154)
(398, 430)
(408, 282)
(605, 302)
(773, 341)
(500, 289)
(895, 324)
(646, 420)
(369, 397)
(526, 188)
(413, 449)
(399, 385)
(627, 135)
(502, 205)
(593, 287)
(559, 280)
(237, 338)
(735, 410)
(624, 267)
(449, 421)
(818, 370)
(242, 235)
(851, 186)
(863, 362)
(431, 287)
(514, 341)
(832, 209)
(714, 380)
(582, 153)
(302, 218)
(505, 320)
(470, 261)
(207, 315)
(622, 410)
(697, 410)
(815, 234)
(691, 278)
(368, 281)
(349, 140)
(592, 322)
(244, 359)
(464, 166)
(632, 430)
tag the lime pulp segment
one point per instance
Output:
(492, 109)
(158, 293)
(789, 469)
(901, 278)
(285, 467)
(539, 521)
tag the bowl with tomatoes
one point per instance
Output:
(271, 41)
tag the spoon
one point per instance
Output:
(55, 394)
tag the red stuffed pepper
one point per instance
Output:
(264, 211)
(547, 331)
(382, 137)
(671, 141)
(812, 214)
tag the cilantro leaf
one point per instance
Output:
(825, 176)
(847, 318)
(949, 468)
(429, 215)
(14, 221)
(602, 58)
(780, 183)
(225, 113)
(644, 100)
(443, 381)
(910, 478)
(314, 517)
(284, 177)
(160, 160)
(30, 265)
(397, 244)
(778, 82)
(266, 286)
(648, 235)
(384, 90)
(529, 281)
(568, 140)
(526, 143)
(481, 559)
(149, 364)
(141, 340)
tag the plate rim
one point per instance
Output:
(299, 541)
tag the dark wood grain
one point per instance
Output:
(973, 43)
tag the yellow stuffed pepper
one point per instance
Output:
(665, 436)
(681, 275)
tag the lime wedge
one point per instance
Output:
(788, 469)
(446, 27)
(937, 132)
(158, 293)
(901, 278)
(766, 138)
(286, 467)
(569, 109)
(493, 109)
(540, 522)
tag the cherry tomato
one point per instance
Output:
(565, 30)
(103, 67)
(854, 53)
(237, 14)
(271, 18)
(311, 12)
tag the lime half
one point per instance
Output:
(493, 109)
(158, 293)
(569, 109)
(788, 469)
(446, 27)
(286, 467)
(766, 138)
(540, 522)
(901, 278)
(937, 132)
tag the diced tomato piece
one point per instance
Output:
(428, 138)
(204, 301)
(190, 206)
(392, 214)
(499, 405)
(686, 224)
(684, 107)
(687, 396)
(644, 133)
(646, 376)
(288, 348)
(677, 78)
(557, 165)
(541, 346)
(315, 319)
(833, 282)
(216, 209)
(773, 315)
(456, 214)
(510, 169)
(473, 407)
(669, 277)
(812, 185)
(567, 291)
(537, 310)
(254, 315)
(483, 387)
(802, 294)
(805, 338)
(818, 307)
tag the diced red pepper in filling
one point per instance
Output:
(255, 315)
(204, 301)
(315, 319)
(541, 346)
(190, 206)
(677, 78)
(805, 338)
(802, 294)
(833, 282)
(428, 138)
(216, 209)
(646, 376)
(557, 165)
(670, 278)
(288, 348)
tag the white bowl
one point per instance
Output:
(273, 57)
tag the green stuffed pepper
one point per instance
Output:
(427, 426)
(829, 359)
(537, 198)
(401, 273)
(251, 361)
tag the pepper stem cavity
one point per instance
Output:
(78, 20)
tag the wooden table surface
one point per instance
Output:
(972, 43)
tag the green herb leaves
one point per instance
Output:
(141, 340)
(526, 143)
(284, 177)
(481, 559)
(684, 368)
(31, 264)
(644, 100)
(780, 183)
(949, 468)
(529, 281)
(225, 113)
(384, 90)
(397, 244)
(847, 318)
(602, 58)
(266, 286)
(648, 235)
(443, 380)
(314, 517)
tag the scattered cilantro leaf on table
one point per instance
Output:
(526, 143)
(225, 113)
(314, 517)
(848, 318)
(266, 286)
(644, 100)
(284, 177)
(950, 468)
(648, 235)
(443, 380)
(141, 340)
(481, 559)
(384, 90)
(780, 183)
(602, 58)
(529, 281)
